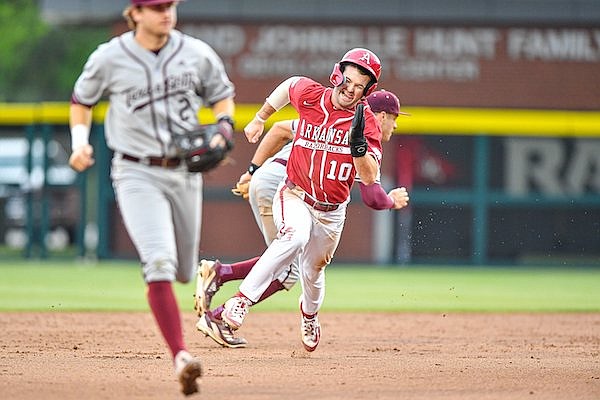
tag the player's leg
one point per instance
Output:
(294, 223)
(211, 324)
(186, 204)
(212, 275)
(154, 239)
(234, 271)
(263, 187)
(293, 220)
(317, 254)
(147, 216)
(286, 280)
(289, 276)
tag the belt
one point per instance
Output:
(281, 161)
(154, 161)
(317, 205)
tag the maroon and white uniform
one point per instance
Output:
(309, 208)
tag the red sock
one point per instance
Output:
(216, 313)
(273, 288)
(236, 271)
(166, 313)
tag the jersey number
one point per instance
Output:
(343, 173)
(185, 111)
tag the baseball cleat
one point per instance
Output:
(207, 285)
(310, 330)
(188, 369)
(219, 332)
(235, 310)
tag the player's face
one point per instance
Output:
(388, 124)
(352, 90)
(157, 20)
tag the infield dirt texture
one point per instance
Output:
(101, 355)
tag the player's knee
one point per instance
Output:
(265, 210)
(289, 282)
(263, 194)
(316, 267)
(159, 270)
(295, 241)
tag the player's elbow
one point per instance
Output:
(369, 180)
(368, 176)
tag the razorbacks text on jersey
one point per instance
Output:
(321, 143)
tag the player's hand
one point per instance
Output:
(218, 142)
(242, 187)
(245, 177)
(254, 130)
(400, 197)
(82, 158)
(225, 125)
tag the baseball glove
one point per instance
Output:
(194, 146)
(241, 189)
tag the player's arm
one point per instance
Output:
(273, 141)
(366, 165)
(224, 110)
(279, 98)
(277, 137)
(367, 168)
(80, 121)
(375, 197)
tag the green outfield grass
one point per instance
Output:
(118, 286)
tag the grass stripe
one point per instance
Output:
(118, 286)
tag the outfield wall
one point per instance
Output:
(487, 186)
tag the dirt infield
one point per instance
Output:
(59, 355)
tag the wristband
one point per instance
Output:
(80, 135)
(259, 119)
(252, 168)
(228, 119)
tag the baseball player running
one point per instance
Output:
(156, 79)
(336, 139)
(259, 184)
(260, 191)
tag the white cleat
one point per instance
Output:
(235, 310)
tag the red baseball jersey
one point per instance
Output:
(320, 161)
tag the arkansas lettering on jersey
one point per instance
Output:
(320, 161)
